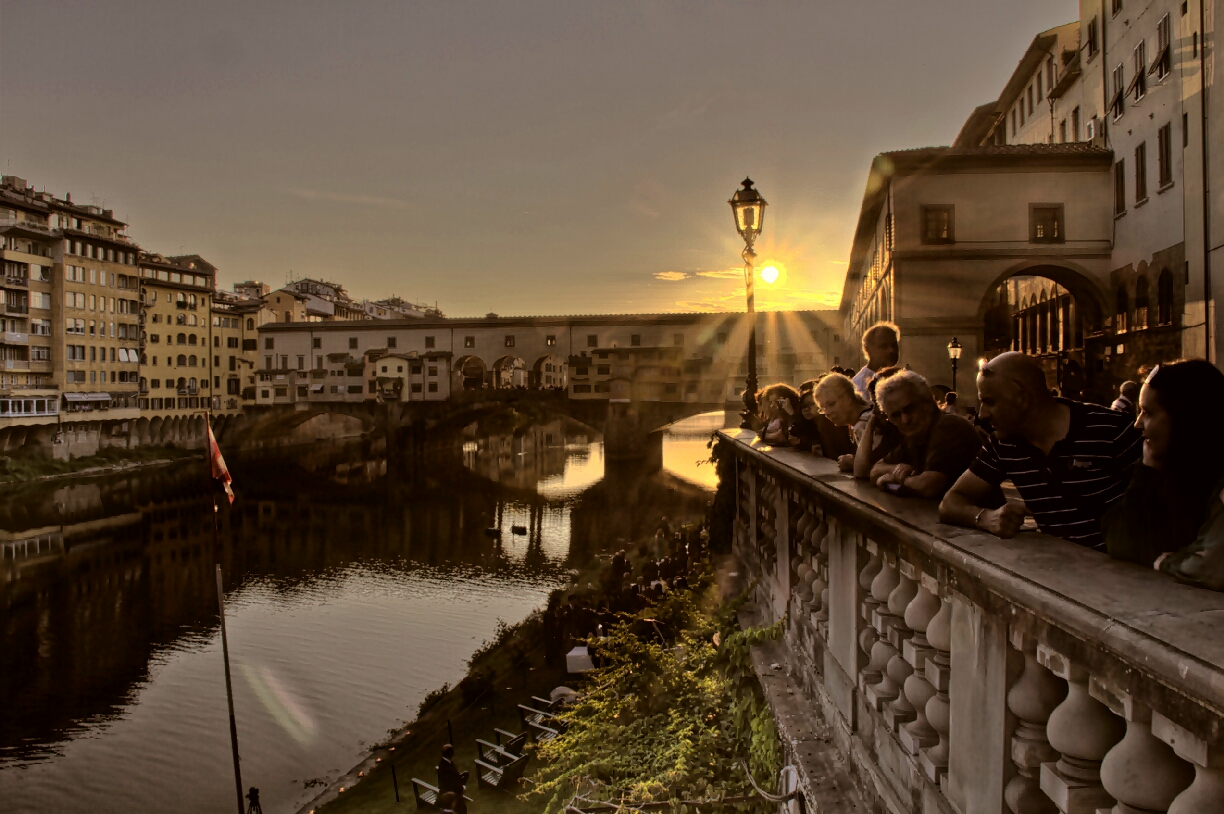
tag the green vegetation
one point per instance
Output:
(22, 466)
(671, 715)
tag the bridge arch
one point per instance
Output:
(509, 371)
(471, 373)
(549, 371)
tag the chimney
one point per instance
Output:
(68, 197)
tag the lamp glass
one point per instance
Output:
(749, 209)
(954, 349)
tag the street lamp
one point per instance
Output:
(749, 209)
(954, 353)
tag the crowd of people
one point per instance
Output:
(1141, 480)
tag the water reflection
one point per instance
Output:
(352, 591)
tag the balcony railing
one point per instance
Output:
(16, 308)
(16, 338)
(956, 671)
(16, 282)
(16, 364)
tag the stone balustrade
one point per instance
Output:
(964, 674)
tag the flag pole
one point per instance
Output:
(229, 687)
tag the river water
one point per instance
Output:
(351, 592)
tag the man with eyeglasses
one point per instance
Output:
(936, 447)
(1068, 460)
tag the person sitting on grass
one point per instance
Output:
(936, 447)
(1172, 515)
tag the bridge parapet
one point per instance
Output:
(963, 673)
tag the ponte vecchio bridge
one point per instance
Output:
(626, 375)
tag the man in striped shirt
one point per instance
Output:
(1068, 460)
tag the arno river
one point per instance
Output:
(351, 592)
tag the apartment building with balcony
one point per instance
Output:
(324, 301)
(235, 335)
(176, 372)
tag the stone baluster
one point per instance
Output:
(1206, 793)
(919, 733)
(884, 690)
(939, 673)
(900, 710)
(1082, 730)
(867, 637)
(1036, 693)
(1141, 772)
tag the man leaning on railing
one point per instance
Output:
(1070, 461)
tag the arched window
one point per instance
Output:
(191, 361)
(191, 382)
(182, 360)
(182, 339)
(191, 339)
(1141, 303)
(1164, 298)
(250, 324)
(1122, 309)
(182, 384)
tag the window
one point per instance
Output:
(1141, 303)
(1093, 38)
(1160, 65)
(390, 341)
(416, 387)
(433, 370)
(301, 363)
(1117, 6)
(678, 340)
(1139, 82)
(1022, 111)
(1122, 309)
(429, 341)
(433, 387)
(469, 341)
(1164, 156)
(1075, 124)
(592, 340)
(1028, 92)
(635, 340)
(938, 224)
(1164, 298)
(1062, 132)
(550, 340)
(509, 340)
(267, 362)
(352, 343)
(1046, 223)
(416, 370)
(1116, 106)
(267, 342)
(1141, 172)
(603, 370)
(1039, 93)
(1120, 188)
(1013, 118)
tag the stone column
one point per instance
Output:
(1082, 730)
(881, 651)
(867, 637)
(1036, 693)
(900, 710)
(919, 733)
(938, 673)
(1206, 793)
(1141, 772)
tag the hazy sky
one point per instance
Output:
(523, 158)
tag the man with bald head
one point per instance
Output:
(1068, 460)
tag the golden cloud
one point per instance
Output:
(722, 274)
(671, 275)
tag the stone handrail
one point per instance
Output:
(959, 672)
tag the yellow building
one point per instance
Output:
(235, 330)
(176, 371)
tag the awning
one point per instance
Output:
(81, 397)
(1134, 83)
(1159, 61)
(316, 388)
(1115, 102)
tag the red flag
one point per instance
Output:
(219, 470)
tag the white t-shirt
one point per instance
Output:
(861, 380)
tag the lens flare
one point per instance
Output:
(770, 274)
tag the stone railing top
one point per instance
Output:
(1168, 630)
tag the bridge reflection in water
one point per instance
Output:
(340, 572)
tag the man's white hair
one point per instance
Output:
(907, 379)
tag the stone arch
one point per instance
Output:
(471, 372)
(1142, 301)
(509, 372)
(1089, 295)
(549, 371)
(155, 429)
(141, 431)
(1164, 297)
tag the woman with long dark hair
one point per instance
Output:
(1172, 516)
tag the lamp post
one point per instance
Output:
(954, 353)
(748, 207)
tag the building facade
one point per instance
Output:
(176, 373)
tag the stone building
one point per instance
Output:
(176, 372)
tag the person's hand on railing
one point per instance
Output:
(1004, 521)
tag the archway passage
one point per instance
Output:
(549, 373)
(1052, 314)
(470, 370)
(509, 372)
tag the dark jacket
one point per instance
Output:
(450, 778)
(1202, 562)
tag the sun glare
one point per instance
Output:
(770, 274)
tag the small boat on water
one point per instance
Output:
(519, 529)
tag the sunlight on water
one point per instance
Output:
(685, 449)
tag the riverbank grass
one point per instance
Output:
(22, 467)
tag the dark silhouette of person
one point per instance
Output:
(451, 779)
